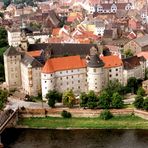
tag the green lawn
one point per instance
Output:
(128, 122)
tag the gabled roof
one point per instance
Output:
(29, 60)
(112, 61)
(11, 51)
(131, 62)
(61, 49)
(142, 41)
(63, 63)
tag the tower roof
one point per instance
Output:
(11, 51)
(95, 62)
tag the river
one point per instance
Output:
(84, 138)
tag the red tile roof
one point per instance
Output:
(56, 31)
(111, 61)
(144, 54)
(35, 53)
(63, 63)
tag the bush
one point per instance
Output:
(145, 104)
(138, 103)
(65, 114)
(106, 114)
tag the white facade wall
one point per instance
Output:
(99, 30)
(43, 38)
(96, 78)
(31, 80)
(115, 73)
(136, 72)
(61, 81)
(12, 71)
(14, 38)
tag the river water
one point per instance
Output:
(86, 138)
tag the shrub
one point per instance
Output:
(106, 114)
(138, 103)
(65, 114)
(145, 104)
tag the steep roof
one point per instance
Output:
(35, 53)
(29, 60)
(112, 61)
(63, 63)
(131, 62)
(95, 62)
(58, 49)
(142, 41)
(11, 51)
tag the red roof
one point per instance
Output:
(111, 61)
(63, 63)
(56, 31)
(35, 53)
(144, 54)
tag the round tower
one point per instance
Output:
(95, 71)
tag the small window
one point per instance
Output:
(116, 74)
(45, 81)
(71, 76)
(66, 77)
(51, 75)
(71, 70)
(110, 70)
(78, 81)
(61, 78)
(110, 75)
(45, 87)
(116, 69)
(60, 72)
(79, 87)
(94, 70)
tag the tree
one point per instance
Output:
(3, 98)
(104, 100)
(114, 86)
(138, 103)
(52, 97)
(145, 104)
(132, 84)
(68, 98)
(117, 101)
(6, 2)
(83, 99)
(92, 100)
(128, 53)
(140, 91)
(106, 114)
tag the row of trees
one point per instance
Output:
(104, 100)
(110, 97)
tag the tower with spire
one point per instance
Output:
(95, 71)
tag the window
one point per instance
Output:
(44, 75)
(60, 72)
(110, 75)
(66, 77)
(116, 69)
(94, 70)
(116, 74)
(51, 81)
(45, 87)
(78, 81)
(61, 78)
(71, 70)
(71, 76)
(45, 81)
(51, 75)
(110, 70)
(78, 87)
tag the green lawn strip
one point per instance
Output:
(131, 122)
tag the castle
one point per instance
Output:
(42, 67)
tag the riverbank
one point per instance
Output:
(117, 122)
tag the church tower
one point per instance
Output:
(95, 71)
(12, 60)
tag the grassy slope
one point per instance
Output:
(130, 122)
